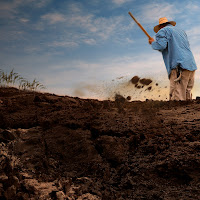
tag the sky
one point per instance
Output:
(90, 48)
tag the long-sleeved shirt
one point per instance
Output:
(175, 48)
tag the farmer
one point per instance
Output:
(178, 58)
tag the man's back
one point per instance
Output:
(174, 45)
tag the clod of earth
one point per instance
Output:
(119, 98)
(149, 88)
(145, 81)
(128, 98)
(135, 79)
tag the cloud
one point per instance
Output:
(150, 13)
(89, 25)
(75, 7)
(192, 7)
(24, 20)
(41, 3)
(68, 44)
(12, 6)
(120, 2)
(128, 40)
(78, 27)
(106, 27)
(10, 11)
(53, 18)
(90, 41)
(106, 69)
(98, 28)
(194, 33)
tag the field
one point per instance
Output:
(59, 147)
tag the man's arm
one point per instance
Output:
(161, 41)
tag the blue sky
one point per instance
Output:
(83, 47)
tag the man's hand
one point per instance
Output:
(151, 40)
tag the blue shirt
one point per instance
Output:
(175, 48)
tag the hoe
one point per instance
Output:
(140, 25)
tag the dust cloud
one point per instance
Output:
(132, 88)
(140, 88)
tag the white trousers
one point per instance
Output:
(181, 90)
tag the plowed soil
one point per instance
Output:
(59, 147)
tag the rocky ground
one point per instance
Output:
(59, 147)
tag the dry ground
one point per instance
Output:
(59, 147)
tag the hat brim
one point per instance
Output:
(157, 28)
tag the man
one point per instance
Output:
(178, 58)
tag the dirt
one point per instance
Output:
(135, 79)
(128, 98)
(149, 88)
(119, 98)
(59, 147)
(145, 81)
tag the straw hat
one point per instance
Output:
(163, 20)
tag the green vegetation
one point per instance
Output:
(15, 80)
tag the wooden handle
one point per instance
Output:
(140, 25)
